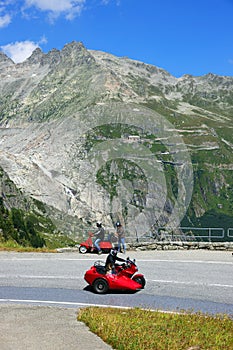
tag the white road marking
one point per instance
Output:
(58, 303)
(48, 259)
(193, 283)
(188, 261)
(41, 277)
(67, 303)
(137, 260)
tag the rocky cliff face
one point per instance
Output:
(97, 137)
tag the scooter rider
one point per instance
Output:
(111, 261)
(99, 234)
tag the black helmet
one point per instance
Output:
(99, 224)
(118, 224)
(113, 252)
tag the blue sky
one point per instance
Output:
(183, 37)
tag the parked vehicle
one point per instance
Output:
(88, 245)
(125, 279)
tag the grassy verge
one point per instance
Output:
(27, 250)
(52, 242)
(134, 329)
(11, 246)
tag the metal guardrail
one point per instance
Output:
(191, 234)
(208, 232)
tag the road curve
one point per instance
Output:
(176, 280)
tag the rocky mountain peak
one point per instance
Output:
(51, 58)
(36, 56)
(5, 60)
(76, 54)
(74, 45)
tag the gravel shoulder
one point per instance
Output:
(35, 328)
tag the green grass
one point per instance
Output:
(137, 329)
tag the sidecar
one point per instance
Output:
(101, 282)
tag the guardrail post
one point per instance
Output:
(229, 232)
(137, 239)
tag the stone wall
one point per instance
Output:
(224, 246)
(228, 246)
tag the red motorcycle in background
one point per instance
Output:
(88, 245)
(125, 279)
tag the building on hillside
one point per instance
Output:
(134, 138)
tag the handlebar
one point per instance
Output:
(131, 261)
(127, 263)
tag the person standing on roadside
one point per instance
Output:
(120, 232)
(99, 234)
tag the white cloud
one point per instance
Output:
(70, 8)
(5, 3)
(54, 8)
(29, 9)
(5, 13)
(106, 2)
(19, 51)
(5, 20)
(43, 40)
(50, 5)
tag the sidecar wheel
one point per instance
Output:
(141, 280)
(82, 250)
(100, 286)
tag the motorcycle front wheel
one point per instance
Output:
(140, 279)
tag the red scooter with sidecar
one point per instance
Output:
(88, 245)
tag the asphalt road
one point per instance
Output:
(176, 280)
